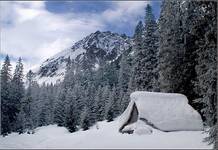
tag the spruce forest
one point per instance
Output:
(175, 53)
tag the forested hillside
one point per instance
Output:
(175, 53)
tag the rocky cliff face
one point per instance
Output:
(91, 52)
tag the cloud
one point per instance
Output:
(32, 32)
(125, 11)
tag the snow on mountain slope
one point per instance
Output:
(103, 135)
(98, 47)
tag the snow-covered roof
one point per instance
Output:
(167, 111)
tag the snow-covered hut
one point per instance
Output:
(163, 111)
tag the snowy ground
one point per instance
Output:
(106, 136)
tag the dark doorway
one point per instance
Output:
(132, 118)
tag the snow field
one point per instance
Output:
(107, 136)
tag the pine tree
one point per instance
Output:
(6, 96)
(187, 57)
(177, 55)
(137, 48)
(206, 69)
(150, 46)
(27, 105)
(44, 106)
(59, 110)
(20, 121)
(112, 107)
(79, 102)
(36, 103)
(85, 121)
(89, 100)
(51, 92)
(104, 101)
(110, 74)
(99, 105)
(145, 74)
(29, 110)
(75, 98)
(171, 50)
(138, 35)
(63, 105)
(108, 102)
(18, 92)
(71, 120)
(124, 79)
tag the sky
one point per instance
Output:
(37, 30)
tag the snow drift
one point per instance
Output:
(163, 111)
(103, 135)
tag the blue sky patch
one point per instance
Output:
(97, 7)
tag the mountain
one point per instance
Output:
(94, 50)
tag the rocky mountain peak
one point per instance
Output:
(98, 47)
